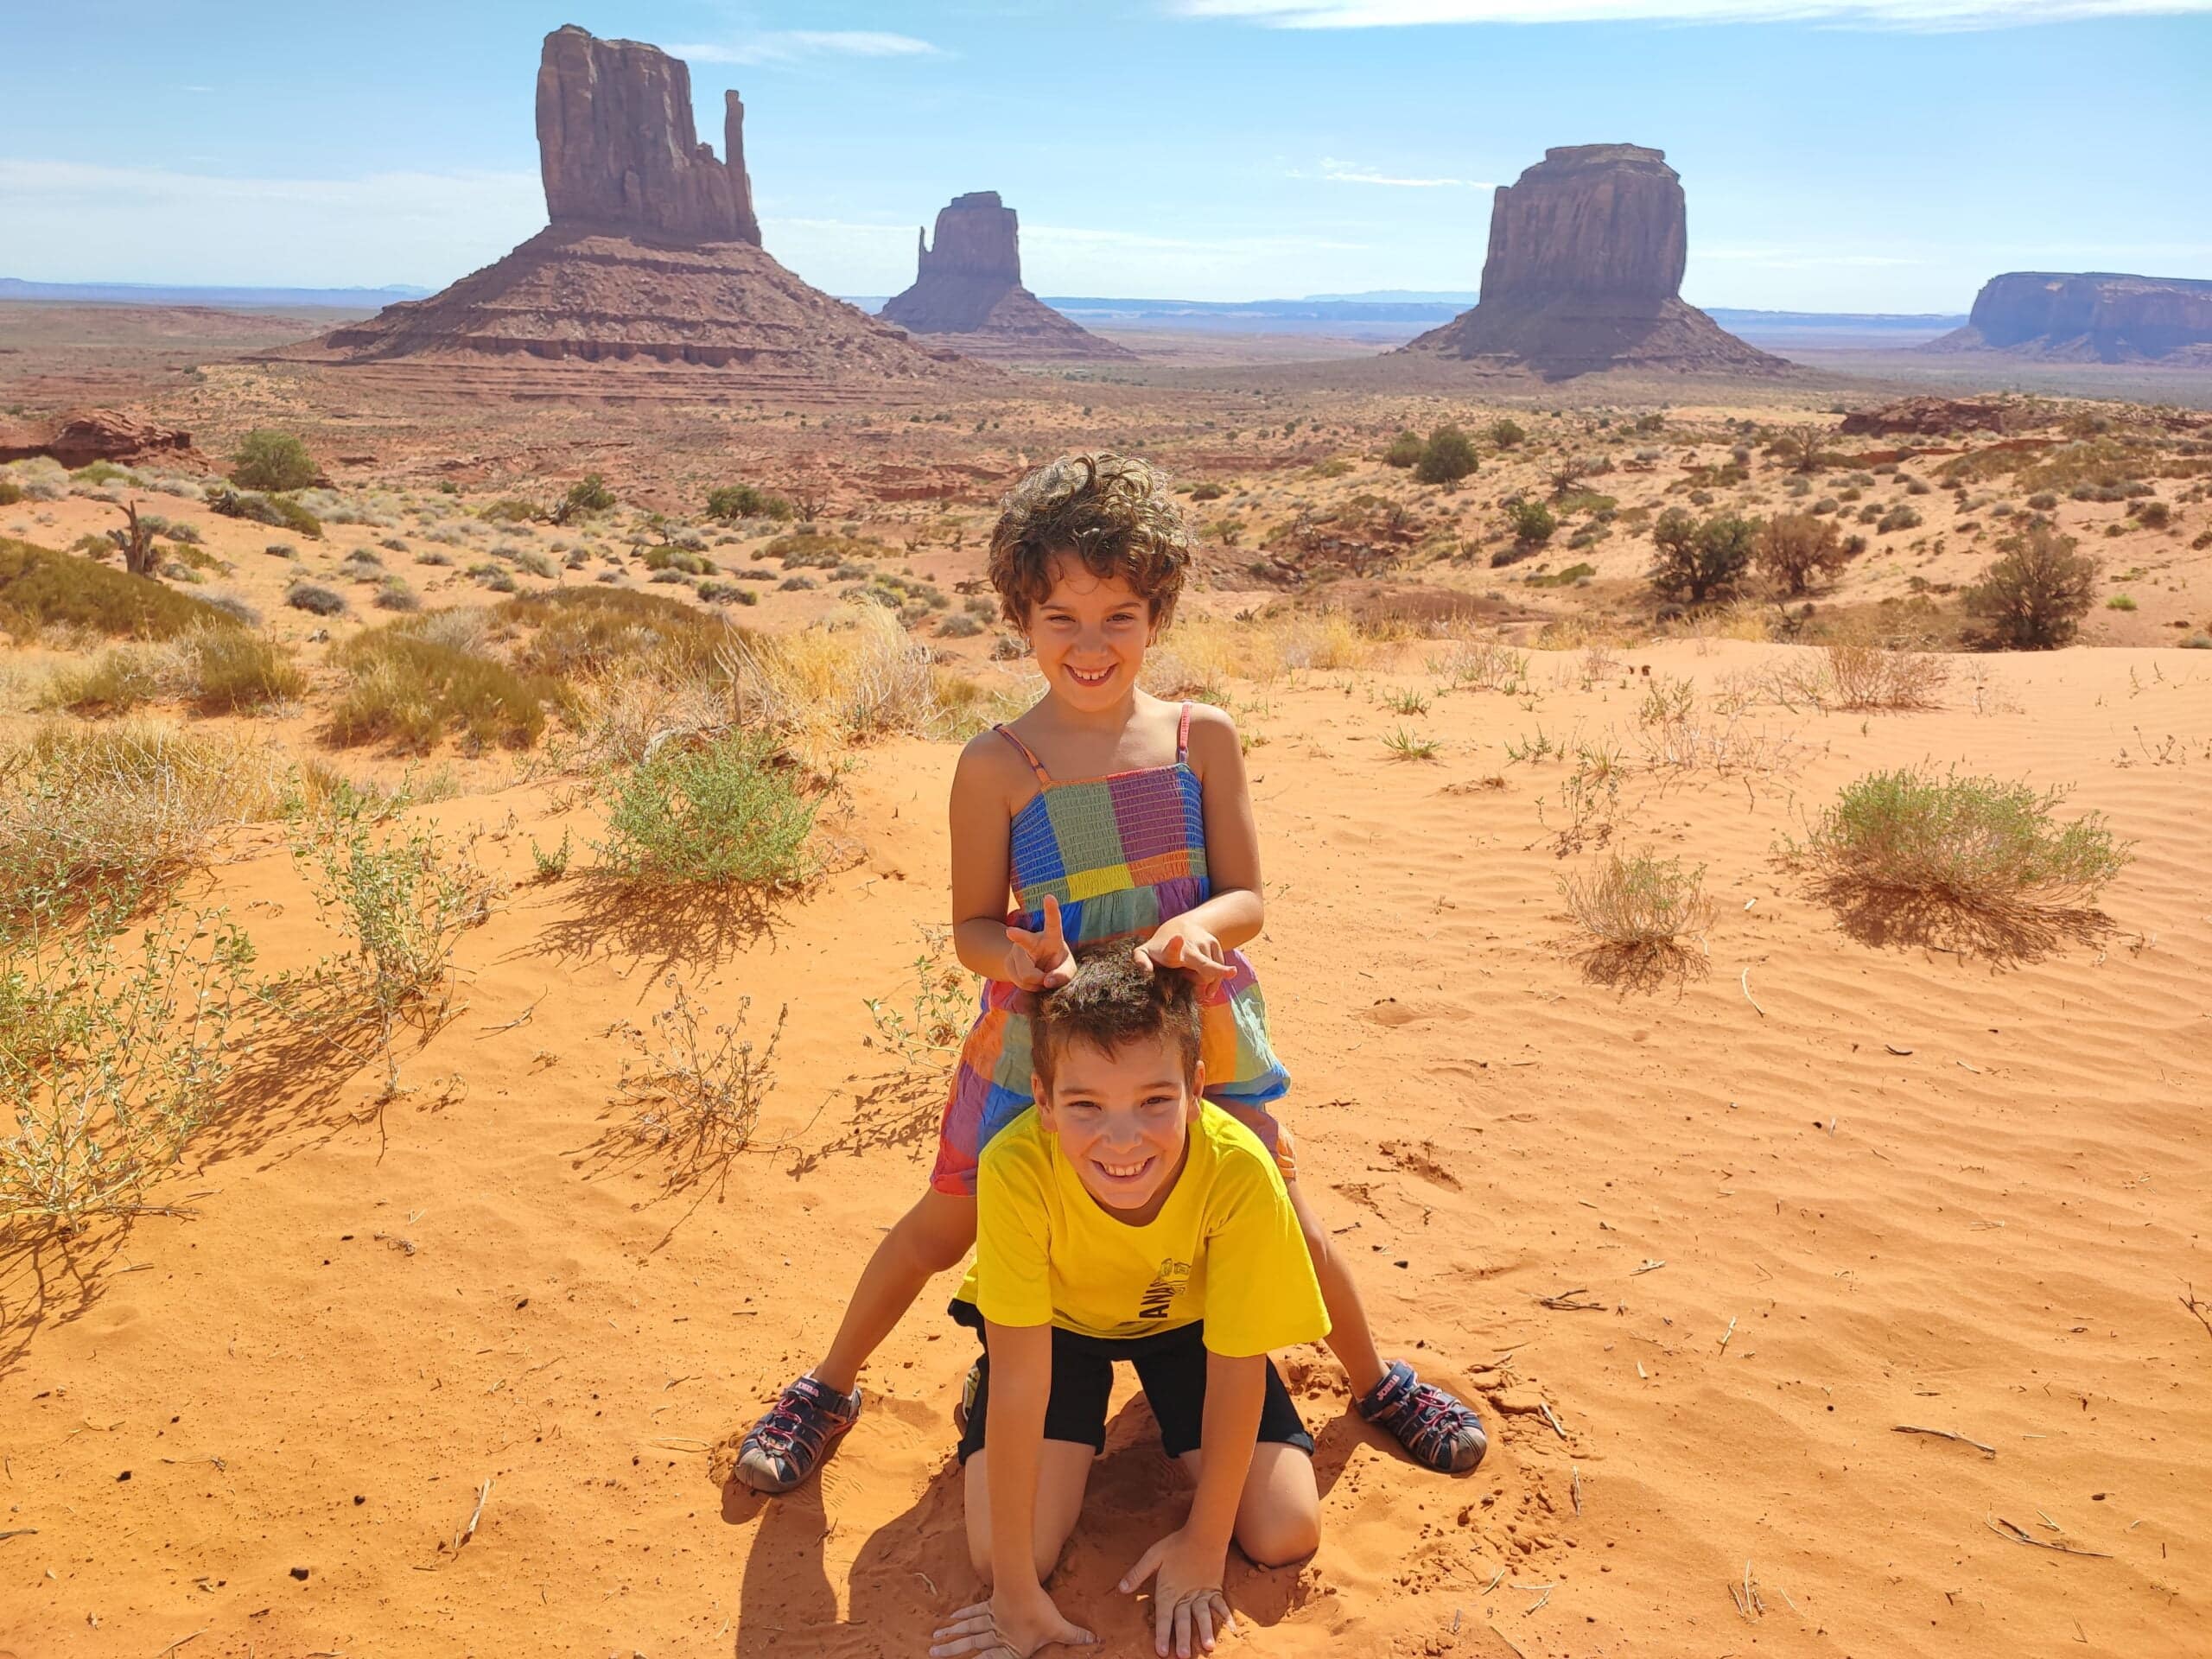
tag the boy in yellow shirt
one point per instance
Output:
(1124, 1217)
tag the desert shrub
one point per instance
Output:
(38, 479)
(1639, 902)
(578, 632)
(1864, 674)
(590, 494)
(1532, 523)
(2036, 594)
(115, 1053)
(1796, 551)
(510, 510)
(962, 626)
(697, 1095)
(269, 460)
(119, 679)
(233, 669)
(10, 492)
(85, 809)
(679, 560)
(831, 685)
(1898, 517)
(41, 588)
(1700, 561)
(411, 689)
(808, 548)
(361, 566)
(401, 901)
(1978, 842)
(1799, 448)
(2154, 515)
(1566, 578)
(279, 511)
(732, 502)
(726, 593)
(315, 598)
(1405, 450)
(727, 812)
(1447, 457)
(1506, 433)
(393, 594)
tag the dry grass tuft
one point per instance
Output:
(1639, 902)
(1868, 675)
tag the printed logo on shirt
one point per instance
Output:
(1170, 1282)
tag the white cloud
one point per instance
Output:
(1351, 173)
(782, 45)
(127, 224)
(1923, 14)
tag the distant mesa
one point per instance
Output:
(652, 256)
(968, 291)
(1585, 274)
(2091, 316)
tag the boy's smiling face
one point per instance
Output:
(1122, 1117)
(1090, 634)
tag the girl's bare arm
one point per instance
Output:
(1236, 913)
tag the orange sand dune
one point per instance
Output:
(1825, 1183)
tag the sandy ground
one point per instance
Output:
(1831, 1180)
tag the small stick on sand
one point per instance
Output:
(1575, 1486)
(1549, 1418)
(521, 1019)
(1648, 1267)
(18, 1532)
(180, 1642)
(2201, 1309)
(1746, 983)
(1947, 1434)
(469, 1531)
(1508, 1640)
(1729, 1333)
(1495, 1582)
(1539, 1600)
(2019, 1535)
(1564, 1301)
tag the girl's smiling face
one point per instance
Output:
(1090, 634)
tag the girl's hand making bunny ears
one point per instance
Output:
(1184, 944)
(1040, 961)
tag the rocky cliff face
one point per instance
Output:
(619, 151)
(2089, 316)
(1585, 273)
(969, 285)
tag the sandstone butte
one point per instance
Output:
(968, 290)
(2092, 317)
(98, 434)
(651, 256)
(1585, 274)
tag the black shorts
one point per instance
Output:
(1172, 1366)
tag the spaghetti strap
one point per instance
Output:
(1183, 737)
(1028, 755)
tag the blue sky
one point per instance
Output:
(1875, 156)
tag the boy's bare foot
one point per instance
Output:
(1437, 1430)
(788, 1444)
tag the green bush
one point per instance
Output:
(1700, 561)
(734, 501)
(1796, 551)
(1566, 578)
(590, 494)
(1532, 523)
(2035, 596)
(1896, 518)
(1405, 450)
(1507, 433)
(234, 668)
(1970, 842)
(315, 598)
(510, 510)
(269, 460)
(1639, 902)
(411, 690)
(41, 588)
(1447, 457)
(281, 512)
(729, 812)
(10, 492)
(678, 558)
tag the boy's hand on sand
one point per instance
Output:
(1184, 944)
(1039, 960)
(1187, 1606)
(1008, 1627)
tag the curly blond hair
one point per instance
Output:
(1111, 511)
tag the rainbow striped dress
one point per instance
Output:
(1121, 854)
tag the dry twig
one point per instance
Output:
(1564, 1301)
(2019, 1535)
(476, 1514)
(1946, 1434)
(2200, 1308)
(1746, 983)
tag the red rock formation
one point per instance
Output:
(968, 290)
(654, 257)
(1933, 417)
(97, 434)
(1585, 274)
(2090, 317)
(618, 149)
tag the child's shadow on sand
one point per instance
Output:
(913, 1569)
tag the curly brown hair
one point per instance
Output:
(1111, 1002)
(1111, 511)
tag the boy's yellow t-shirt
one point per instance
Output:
(1225, 1248)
